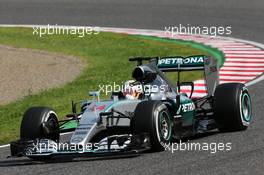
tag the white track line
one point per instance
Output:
(242, 68)
(244, 64)
(239, 60)
(238, 49)
(195, 87)
(244, 56)
(221, 72)
(234, 77)
(227, 81)
(4, 146)
(231, 45)
(253, 52)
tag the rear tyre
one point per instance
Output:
(232, 107)
(153, 118)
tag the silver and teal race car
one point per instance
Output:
(149, 113)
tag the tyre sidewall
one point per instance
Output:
(157, 135)
(31, 125)
(228, 107)
(245, 120)
(146, 120)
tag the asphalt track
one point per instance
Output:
(245, 17)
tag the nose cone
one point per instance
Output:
(87, 126)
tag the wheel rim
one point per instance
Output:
(54, 135)
(164, 125)
(246, 107)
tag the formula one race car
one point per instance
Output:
(148, 113)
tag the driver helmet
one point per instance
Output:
(131, 91)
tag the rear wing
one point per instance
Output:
(193, 63)
(178, 63)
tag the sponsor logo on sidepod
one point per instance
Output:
(188, 107)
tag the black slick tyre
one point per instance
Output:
(153, 118)
(232, 107)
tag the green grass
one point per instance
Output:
(106, 56)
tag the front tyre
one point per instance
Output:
(40, 122)
(153, 118)
(232, 107)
